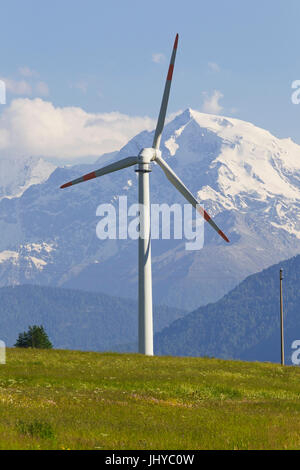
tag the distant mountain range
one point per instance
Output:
(245, 177)
(244, 324)
(75, 319)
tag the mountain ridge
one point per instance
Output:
(74, 319)
(244, 324)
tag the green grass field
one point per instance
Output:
(79, 400)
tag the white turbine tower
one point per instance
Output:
(144, 160)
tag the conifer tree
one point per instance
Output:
(35, 337)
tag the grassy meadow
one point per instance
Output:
(52, 399)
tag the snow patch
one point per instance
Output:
(39, 263)
(39, 247)
(9, 255)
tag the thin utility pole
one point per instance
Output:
(281, 320)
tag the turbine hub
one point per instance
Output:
(147, 155)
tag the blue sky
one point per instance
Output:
(112, 56)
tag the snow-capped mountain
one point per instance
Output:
(17, 174)
(245, 177)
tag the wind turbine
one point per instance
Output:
(144, 160)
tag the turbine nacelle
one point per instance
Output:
(146, 156)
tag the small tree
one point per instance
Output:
(35, 337)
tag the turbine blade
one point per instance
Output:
(173, 178)
(164, 103)
(126, 162)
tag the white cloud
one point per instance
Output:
(42, 89)
(28, 86)
(158, 58)
(81, 85)
(36, 127)
(27, 72)
(214, 67)
(24, 88)
(17, 87)
(211, 103)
